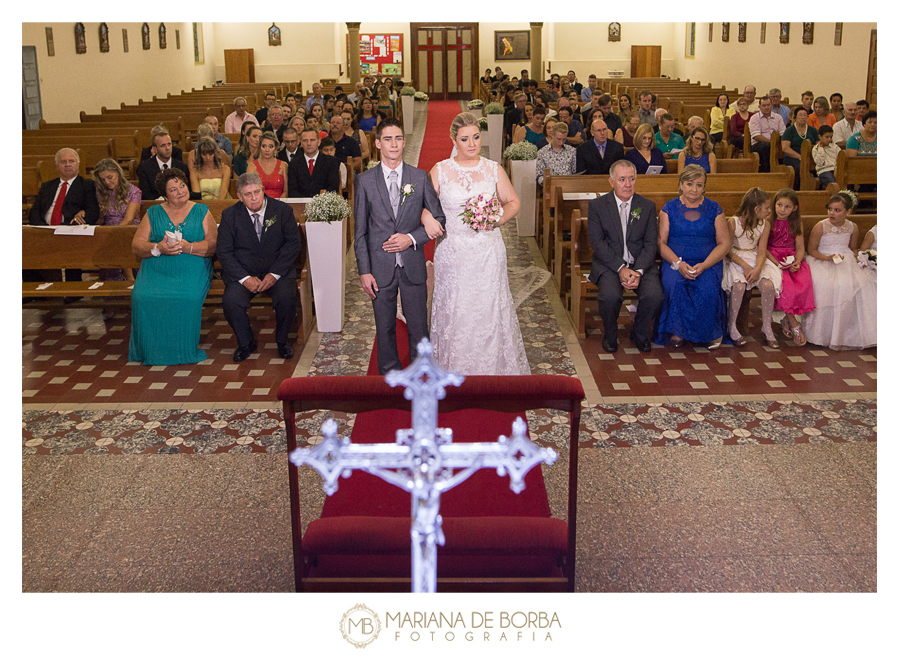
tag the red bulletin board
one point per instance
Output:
(379, 54)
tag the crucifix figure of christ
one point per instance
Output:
(424, 460)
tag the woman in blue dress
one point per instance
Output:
(693, 240)
(698, 151)
(174, 276)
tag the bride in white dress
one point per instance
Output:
(474, 327)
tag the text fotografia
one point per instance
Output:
(482, 626)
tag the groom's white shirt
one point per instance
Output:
(386, 171)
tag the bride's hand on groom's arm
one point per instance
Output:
(368, 284)
(432, 226)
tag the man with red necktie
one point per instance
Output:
(315, 171)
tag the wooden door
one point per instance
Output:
(239, 66)
(445, 60)
(646, 61)
(872, 73)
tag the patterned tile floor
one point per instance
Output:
(794, 428)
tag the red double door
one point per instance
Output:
(445, 59)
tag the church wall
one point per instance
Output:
(72, 83)
(793, 67)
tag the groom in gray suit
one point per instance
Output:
(387, 209)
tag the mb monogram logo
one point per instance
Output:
(360, 626)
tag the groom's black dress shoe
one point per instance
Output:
(610, 344)
(242, 353)
(642, 345)
(285, 351)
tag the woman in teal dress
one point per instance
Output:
(693, 240)
(174, 276)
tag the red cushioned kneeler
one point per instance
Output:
(495, 540)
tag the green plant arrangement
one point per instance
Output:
(327, 207)
(476, 104)
(521, 151)
(483, 125)
(493, 108)
(420, 96)
(408, 90)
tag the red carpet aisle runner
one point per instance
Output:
(436, 144)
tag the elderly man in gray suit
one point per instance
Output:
(388, 206)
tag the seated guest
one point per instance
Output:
(645, 154)
(351, 129)
(862, 107)
(837, 106)
(806, 100)
(367, 117)
(625, 134)
(262, 114)
(327, 147)
(625, 108)
(612, 121)
(275, 122)
(291, 144)
(259, 242)
(717, 118)
(314, 172)
(645, 109)
(221, 140)
(532, 131)
(762, 125)
(524, 119)
(825, 154)
(698, 151)
(792, 141)
(204, 130)
(69, 199)
(291, 101)
(385, 104)
(235, 120)
(346, 149)
(821, 115)
(549, 92)
(549, 122)
(595, 156)
(318, 112)
(296, 123)
(356, 95)
(693, 122)
(622, 229)
(558, 156)
(487, 78)
(777, 108)
(312, 123)
(329, 110)
(666, 140)
(174, 276)
(210, 176)
(148, 170)
(119, 202)
(591, 86)
(737, 122)
(287, 111)
(591, 107)
(149, 151)
(576, 130)
(846, 127)
(693, 240)
(247, 151)
(752, 101)
(316, 96)
(865, 142)
(271, 171)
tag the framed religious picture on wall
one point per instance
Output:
(80, 41)
(145, 36)
(838, 33)
(710, 32)
(162, 36)
(742, 32)
(177, 39)
(690, 39)
(51, 50)
(762, 33)
(512, 45)
(784, 32)
(199, 57)
(274, 35)
(808, 33)
(104, 38)
(615, 32)
(726, 32)
(125, 39)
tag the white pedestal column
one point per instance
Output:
(327, 264)
(524, 183)
(495, 136)
(408, 109)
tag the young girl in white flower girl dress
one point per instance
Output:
(846, 303)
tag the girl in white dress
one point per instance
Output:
(846, 302)
(474, 327)
(748, 266)
(870, 241)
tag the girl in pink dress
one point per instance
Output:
(786, 241)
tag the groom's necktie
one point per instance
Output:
(394, 195)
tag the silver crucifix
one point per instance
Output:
(423, 459)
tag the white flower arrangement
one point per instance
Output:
(475, 104)
(420, 96)
(521, 151)
(408, 90)
(868, 258)
(493, 108)
(327, 207)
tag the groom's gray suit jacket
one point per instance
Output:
(375, 223)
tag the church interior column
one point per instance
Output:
(536, 73)
(355, 77)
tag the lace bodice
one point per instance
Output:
(458, 185)
(835, 239)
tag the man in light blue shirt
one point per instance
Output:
(587, 91)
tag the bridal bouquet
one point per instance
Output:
(482, 212)
(868, 258)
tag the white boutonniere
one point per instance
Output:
(408, 190)
(271, 221)
(635, 214)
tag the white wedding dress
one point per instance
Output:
(474, 327)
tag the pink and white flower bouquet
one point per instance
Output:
(482, 212)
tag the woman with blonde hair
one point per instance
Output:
(120, 203)
(698, 151)
(271, 171)
(210, 176)
(645, 154)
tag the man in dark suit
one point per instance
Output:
(623, 234)
(149, 151)
(595, 156)
(262, 114)
(314, 172)
(258, 244)
(390, 239)
(291, 148)
(148, 170)
(69, 199)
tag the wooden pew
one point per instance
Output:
(859, 170)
